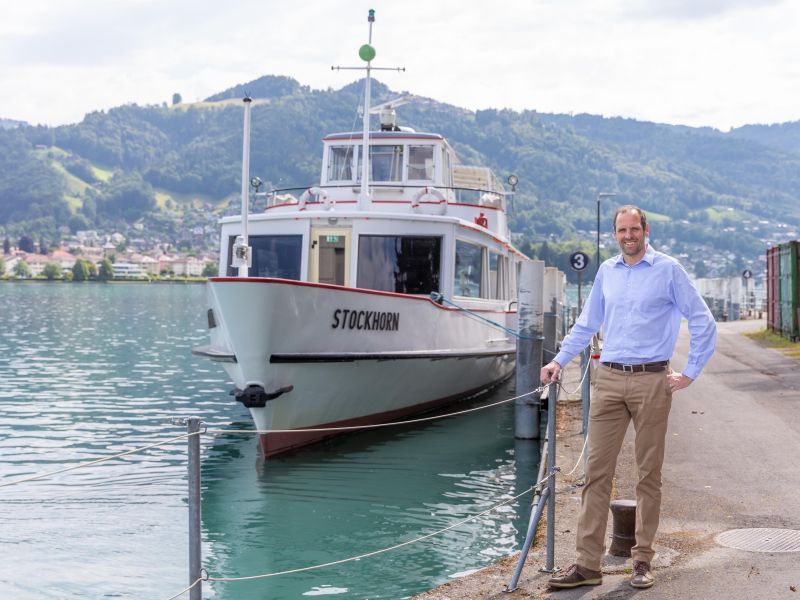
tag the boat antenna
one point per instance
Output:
(367, 54)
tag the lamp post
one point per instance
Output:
(600, 196)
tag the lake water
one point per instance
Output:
(90, 370)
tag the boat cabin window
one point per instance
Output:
(469, 265)
(340, 163)
(386, 163)
(402, 264)
(420, 163)
(273, 256)
(498, 276)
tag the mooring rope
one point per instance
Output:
(438, 297)
(538, 390)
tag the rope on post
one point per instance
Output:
(374, 552)
(183, 591)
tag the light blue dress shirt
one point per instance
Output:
(640, 307)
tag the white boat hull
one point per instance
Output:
(329, 356)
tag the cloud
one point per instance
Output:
(649, 59)
(690, 9)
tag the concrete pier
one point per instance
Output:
(731, 463)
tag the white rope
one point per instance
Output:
(96, 462)
(577, 389)
(378, 425)
(580, 458)
(182, 592)
(375, 552)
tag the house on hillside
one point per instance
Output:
(188, 266)
(64, 259)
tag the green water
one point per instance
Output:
(87, 371)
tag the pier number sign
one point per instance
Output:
(579, 261)
(747, 274)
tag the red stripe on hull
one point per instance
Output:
(278, 443)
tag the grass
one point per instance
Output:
(655, 217)
(770, 339)
(216, 104)
(718, 213)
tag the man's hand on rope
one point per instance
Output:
(550, 372)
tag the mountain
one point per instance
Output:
(718, 199)
(784, 136)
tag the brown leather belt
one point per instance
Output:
(653, 367)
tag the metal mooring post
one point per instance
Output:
(529, 348)
(552, 398)
(193, 442)
(586, 356)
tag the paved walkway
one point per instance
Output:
(733, 461)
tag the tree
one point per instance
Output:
(700, 269)
(210, 270)
(43, 249)
(6, 246)
(176, 98)
(25, 244)
(22, 270)
(80, 270)
(52, 270)
(106, 270)
(2, 267)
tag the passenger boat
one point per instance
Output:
(385, 290)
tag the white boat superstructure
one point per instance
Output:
(352, 310)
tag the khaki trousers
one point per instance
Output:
(618, 398)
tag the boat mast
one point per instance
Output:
(367, 53)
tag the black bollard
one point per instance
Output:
(623, 513)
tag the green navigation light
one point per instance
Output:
(366, 52)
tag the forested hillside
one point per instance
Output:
(718, 197)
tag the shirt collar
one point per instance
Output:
(649, 257)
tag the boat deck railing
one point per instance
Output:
(492, 199)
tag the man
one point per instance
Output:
(638, 297)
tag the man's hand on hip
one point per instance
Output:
(678, 381)
(550, 372)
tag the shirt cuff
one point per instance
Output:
(691, 371)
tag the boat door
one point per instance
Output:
(330, 255)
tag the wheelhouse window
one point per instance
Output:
(273, 256)
(386, 163)
(402, 264)
(340, 163)
(469, 265)
(420, 163)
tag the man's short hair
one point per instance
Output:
(630, 208)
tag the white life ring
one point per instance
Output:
(315, 191)
(416, 201)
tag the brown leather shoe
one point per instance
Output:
(576, 576)
(642, 577)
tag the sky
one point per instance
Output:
(717, 63)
